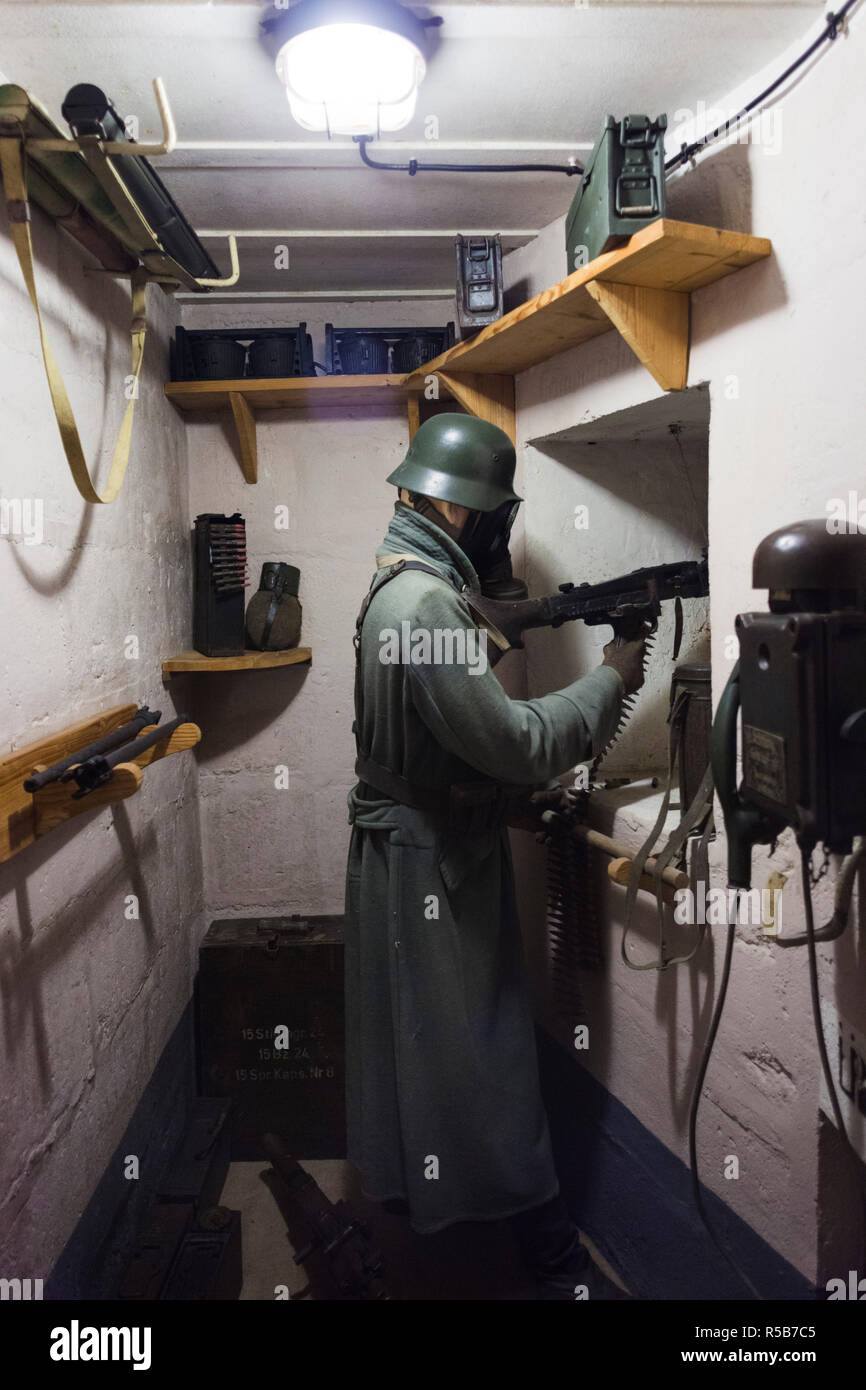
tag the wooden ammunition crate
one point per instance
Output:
(257, 976)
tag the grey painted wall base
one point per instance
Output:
(627, 1190)
(94, 1258)
(632, 1196)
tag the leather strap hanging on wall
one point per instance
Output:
(698, 816)
(15, 185)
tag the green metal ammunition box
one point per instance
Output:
(622, 188)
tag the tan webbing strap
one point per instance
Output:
(15, 185)
(384, 562)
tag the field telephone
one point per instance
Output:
(799, 693)
(800, 686)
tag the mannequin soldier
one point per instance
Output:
(444, 1110)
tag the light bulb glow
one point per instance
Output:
(351, 79)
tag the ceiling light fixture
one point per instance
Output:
(350, 67)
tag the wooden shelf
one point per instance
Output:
(288, 393)
(194, 663)
(309, 393)
(642, 290)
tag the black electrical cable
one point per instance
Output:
(834, 20)
(811, 938)
(708, 1049)
(414, 167)
(816, 1002)
(696, 1101)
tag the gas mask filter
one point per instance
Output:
(484, 541)
(483, 538)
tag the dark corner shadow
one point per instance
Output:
(516, 294)
(231, 707)
(131, 853)
(26, 961)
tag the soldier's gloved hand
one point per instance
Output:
(561, 799)
(545, 805)
(553, 804)
(627, 659)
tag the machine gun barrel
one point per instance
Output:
(60, 770)
(97, 770)
(626, 603)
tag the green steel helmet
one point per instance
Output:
(462, 459)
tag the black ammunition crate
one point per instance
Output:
(255, 975)
(226, 354)
(368, 351)
(480, 289)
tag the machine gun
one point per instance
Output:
(95, 771)
(338, 1244)
(627, 603)
(62, 771)
(93, 766)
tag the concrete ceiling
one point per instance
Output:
(545, 74)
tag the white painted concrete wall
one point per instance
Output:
(267, 850)
(88, 998)
(780, 346)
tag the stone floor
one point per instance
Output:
(466, 1262)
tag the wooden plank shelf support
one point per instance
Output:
(490, 397)
(654, 323)
(673, 258)
(642, 290)
(26, 817)
(194, 663)
(245, 425)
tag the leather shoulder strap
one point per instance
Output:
(379, 580)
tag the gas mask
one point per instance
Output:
(483, 538)
(484, 541)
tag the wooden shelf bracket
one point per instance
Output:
(490, 397)
(654, 323)
(245, 424)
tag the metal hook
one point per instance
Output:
(124, 147)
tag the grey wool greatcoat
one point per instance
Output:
(443, 1102)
